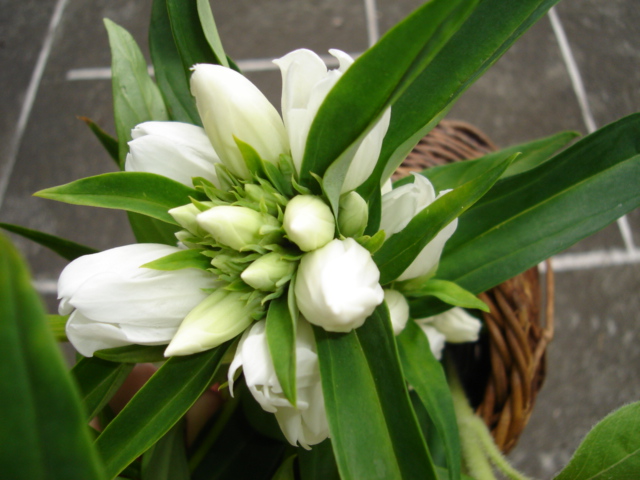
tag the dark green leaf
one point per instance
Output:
(286, 470)
(610, 451)
(449, 293)
(57, 324)
(190, 258)
(98, 381)
(529, 217)
(145, 193)
(377, 340)
(43, 434)
(109, 143)
(318, 463)
(65, 248)
(159, 404)
(356, 418)
(167, 459)
(168, 68)
(479, 43)
(133, 354)
(136, 99)
(425, 374)
(150, 230)
(360, 98)
(401, 249)
(281, 338)
(211, 31)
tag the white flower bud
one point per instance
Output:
(231, 106)
(398, 309)
(176, 150)
(457, 325)
(186, 216)
(436, 339)
(218, 318)
(308, 222)
(238, 227)
(265, 273)
(337, 286)
(353, 215)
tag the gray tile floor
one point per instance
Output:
(574, 72)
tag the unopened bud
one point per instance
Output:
(353, 215)
(265, 273)
(309, 222)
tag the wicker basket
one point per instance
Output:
(503, 372)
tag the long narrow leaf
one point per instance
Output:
(377, 341)
(318, 463)
(159, 404)
(167, 459)
(211, 31)
(109, 143)
(43, 434)
(281, 337)
(65, 248)
(426, 376)
(144, 193)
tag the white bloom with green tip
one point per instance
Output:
(337, 286)
(457, 325)
(237, 227)
(231, 106)
(112, 301)
(265, 272)
(306, 423)
(309, 222)
(176, 150)
(398, 309)
(220, 317)
(186, 216)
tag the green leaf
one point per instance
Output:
(190, 258)
(167, 459)
(157, 406)
(399, 250)
(43, 434)
(57, 325)
(360, 97)
(109, 143)
(98, 380)
(479, 43)
(425, 374)
(374, 243)
(286, 470)
(211, 31)
(65, 248)
(281, 338)
(356, 419)
(532, 154)
(610, 450)
(146, 193)
(189, 36)
(448, 292)
(136, 99)
(378, 343)
(150, 230)
(318, 463)
(168, 69)
(529, 217)
(133, 354)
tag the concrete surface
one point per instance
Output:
(594, 362)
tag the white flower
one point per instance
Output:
(353, 215)
(305, 84)
(436, 339)
(309, 222)
(113, 302)
(398, 309)
(398, 208)
(176, 150)
(266, 272)
(306, 423)
(337, 286)
(230, 105)
(456, 325)
(218, 318)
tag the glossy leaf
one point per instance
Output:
(133, 354)
(479, 43)
(211, 31)
(65, 248)
(281, 338)
(399, 250)
(145, 193)
(98, 380)
(448, 292)
(43, 432)
(167, 459)
(425, 374)
(360, 98)
(57, 324)
(136, 99)
(109, 143)
(168, 69)
(190, 258)
(610, 450)
(377, 340)
(157, 406)
(529, 217)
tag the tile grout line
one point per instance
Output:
(30, 96)
(585, 109)
(371, 13)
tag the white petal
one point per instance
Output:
(398, 309)
(457, 325)
(436, 339)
